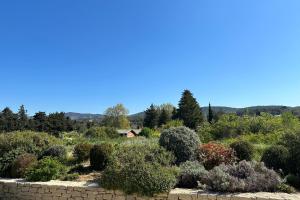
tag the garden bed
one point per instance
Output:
(68, 190)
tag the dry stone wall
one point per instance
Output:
(14, 189)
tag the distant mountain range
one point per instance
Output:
(274, 110)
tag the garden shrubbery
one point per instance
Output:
(242, 177)
(142, 168)
(46, 169)
(102, 132)
(82, 151)
(243, 150)
(21, 164)
(190, 174)
(7, 159)
(100, 155)
(276, 157)
(182, 141)
(213, 154)
(58, 152)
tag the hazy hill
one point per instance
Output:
(274, 110)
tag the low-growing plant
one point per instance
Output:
(190, 174)
(82, 151)
(100, 155)
(242, 177)
(182, 141)
(276, 157)
(21, 164)
(213, 154)
(243, 150)
(293, 180)
(58, 152)
(46, 169)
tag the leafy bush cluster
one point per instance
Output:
(100, 155)
(58, 152)
(190, 174)
(182, 141)
(46, 169)
(142, 168)
(213, 154)
(149, 133)
(82, 151)
(242, 177)
(21, 164)
(243, 150)
(102, 132)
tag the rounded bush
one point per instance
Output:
(213, 154)
(21, 164)
(82, 151)
(140, 167)
(243, 150)
(182, 141)
(102, 132)
(190, 174)
(58, 152)
(45, 169)
(276, 157)
(242, 177)
(100, 155)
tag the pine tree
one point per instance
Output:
(151, 117)
(189, 110)
(210, 116)
(22, 118)
(8, 120)
(164, 117)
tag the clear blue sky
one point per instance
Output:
(84, 56)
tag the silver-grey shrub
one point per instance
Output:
(182, 141)
(242, 177)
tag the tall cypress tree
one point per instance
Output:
(22, 118)
(210, 115)
(189, 110)
(151, 117)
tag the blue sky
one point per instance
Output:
(84, 56)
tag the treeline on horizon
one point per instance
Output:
(189, 113)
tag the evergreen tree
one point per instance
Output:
(40, 121)
(8, 120)
(164, 117)
(151, 117)
(22, 118)
(210, 115)
(189, 110)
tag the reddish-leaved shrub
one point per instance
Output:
(213, 154)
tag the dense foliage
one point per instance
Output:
(276, 157)
(101, 132)
(58, 152)
(242, 177)
(141, 168)
(182, 141)
(213, 154)
(100, 155)
(82, 151)
(243, 150)
(190, 174)
(21, 164)
(45, 170)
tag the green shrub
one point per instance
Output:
(276, 157)
(172, 124)
(102, 132)
(58, 152)
(190, 174)
(242, 177)
(21, 164)
(45, 169)
(7, 159)
(243, 150)
(140, 167)
(293, 180)
(285, 188)
(82, 151)
(182, 141)
(214, 154)
(31, 142)
(100, 155)
(149, 133)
